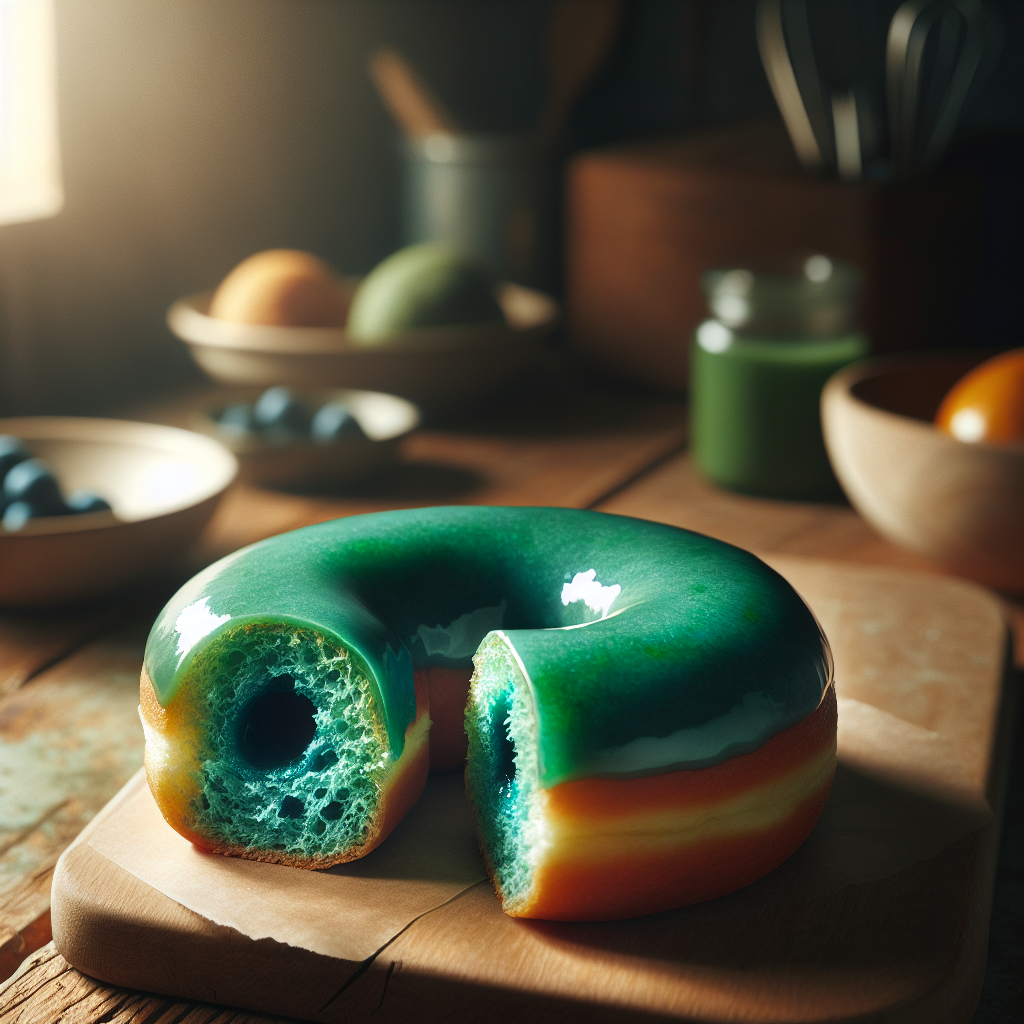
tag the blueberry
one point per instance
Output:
(12, 451)
(86, 501)
(31, 481)
(16, 515)
(277, 409)
(333, 422)
(237, 419)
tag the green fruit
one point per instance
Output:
(424, 285)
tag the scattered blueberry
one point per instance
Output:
(333, 422)
(32, 482)
(12, 451)
(29, 490)
(16, 515)
(278, 409)
(237, 419)
(86, 501)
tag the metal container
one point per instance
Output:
(488, 196)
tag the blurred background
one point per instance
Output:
(674, 184)
(193, 134)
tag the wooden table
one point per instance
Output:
(68, 683)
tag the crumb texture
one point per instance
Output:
(295, 750)
(502, 776)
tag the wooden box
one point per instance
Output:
(645, 220)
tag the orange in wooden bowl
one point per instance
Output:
(440, 369)
(960, 505)
(987, 404)
(283, 288)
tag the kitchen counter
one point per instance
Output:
(68, 682)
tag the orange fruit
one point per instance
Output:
(285, 288)
(987, 404)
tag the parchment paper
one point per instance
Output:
(348, 912)
(897, 799)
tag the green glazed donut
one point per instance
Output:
(287, 715)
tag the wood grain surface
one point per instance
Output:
(562, 442)
(33, 641)
(47, 988)
(871, 917)
(592, 447)
(69, 740)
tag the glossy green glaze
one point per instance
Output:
(645, 647)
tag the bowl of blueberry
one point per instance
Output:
(91, 506)
(293, 438)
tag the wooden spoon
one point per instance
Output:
(417, 110)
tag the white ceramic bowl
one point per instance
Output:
(162, 483)
(960, 505)
(438, 368)
(284, 461)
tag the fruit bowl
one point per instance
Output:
(162, 483)
(439, 368)
(959, 504)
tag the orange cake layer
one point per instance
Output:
(640, 882)
(448, 689)
(610, 848)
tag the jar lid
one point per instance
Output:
(813, 299)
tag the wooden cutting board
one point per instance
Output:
(882, 915)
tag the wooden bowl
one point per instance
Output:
(438, 368)
(162, 483)
(283, 461)
(960, 505)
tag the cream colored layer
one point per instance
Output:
(578, 840)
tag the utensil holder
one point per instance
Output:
(489, 196)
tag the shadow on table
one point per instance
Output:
(877, 888)
(400, 482)
(566, 401)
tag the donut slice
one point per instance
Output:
(597, 849)
(274, 750)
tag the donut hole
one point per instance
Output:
(322, 760)
(503, 745)
(291, 808)
(277, 727)
(333, 811)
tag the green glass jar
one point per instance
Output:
(756, 373)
